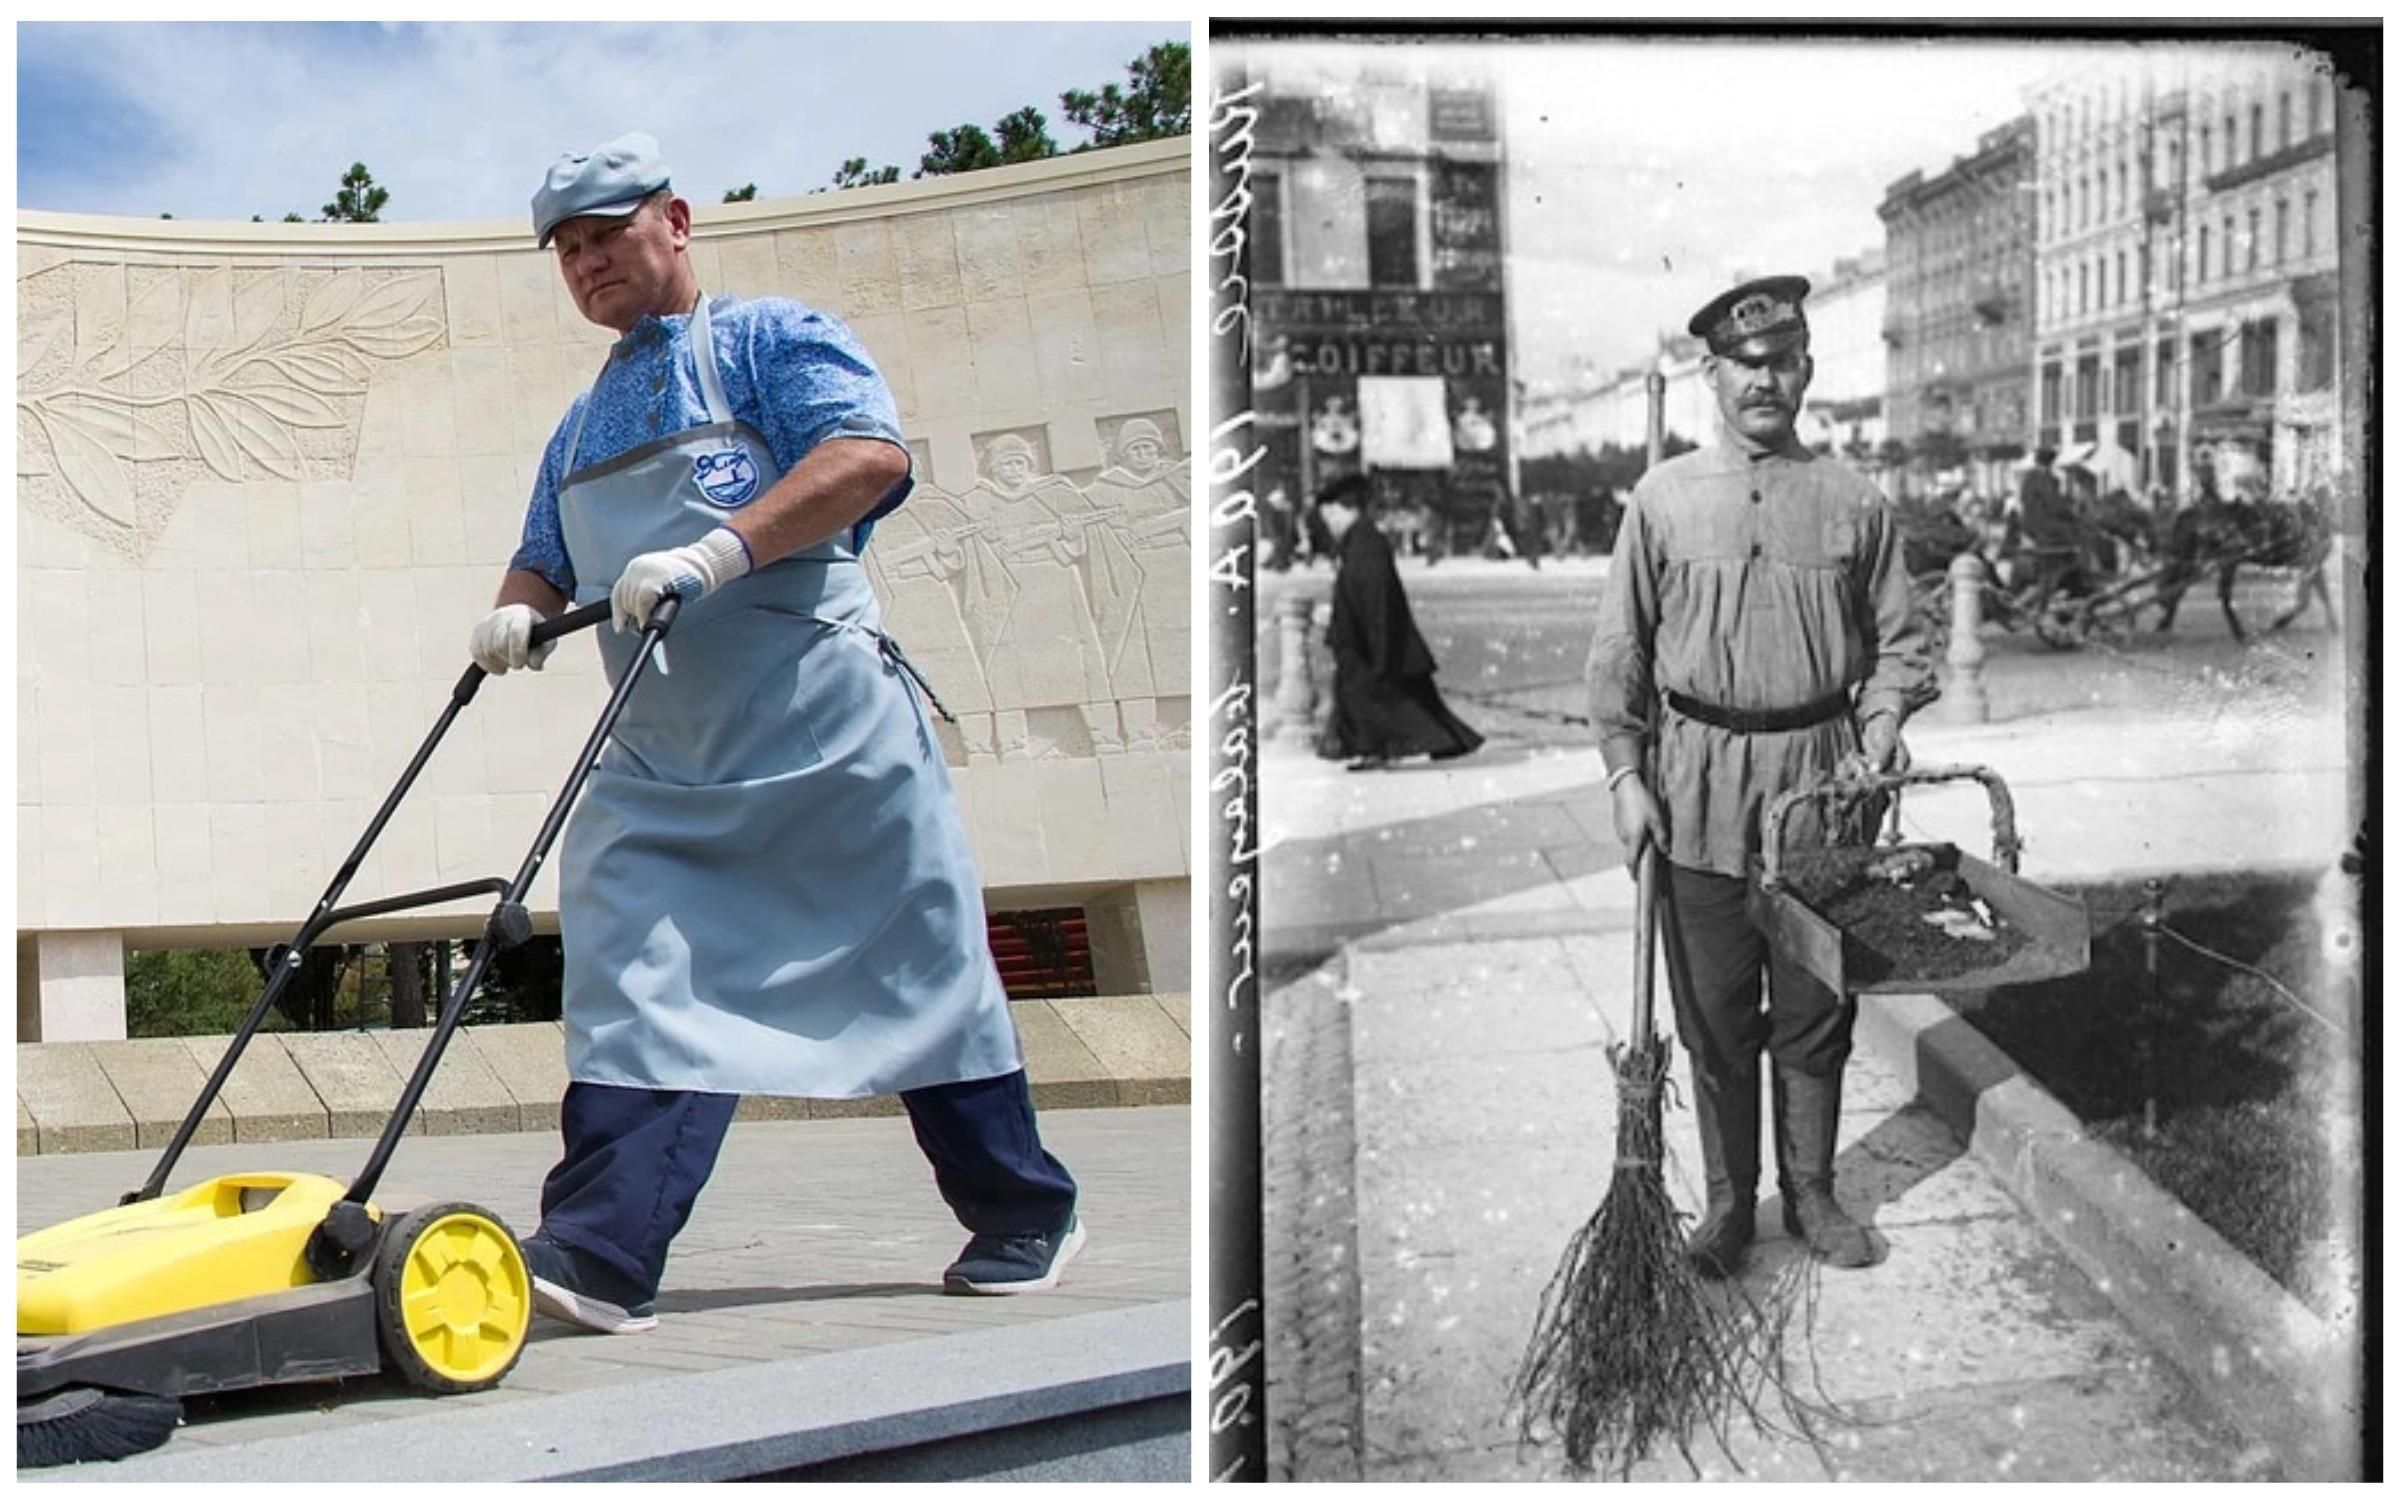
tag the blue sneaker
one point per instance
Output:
(1001, 1265)
(564, 1293)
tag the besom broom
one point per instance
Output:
(1630, 1346)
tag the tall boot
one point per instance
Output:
(1727, 1110)
(1808, 1115)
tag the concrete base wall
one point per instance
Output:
(71, 987)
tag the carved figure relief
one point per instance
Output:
(1051, 616)
(133, 381)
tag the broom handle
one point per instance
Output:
(1645, 937)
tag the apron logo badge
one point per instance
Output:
(727, 478)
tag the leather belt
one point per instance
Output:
(1761, 720)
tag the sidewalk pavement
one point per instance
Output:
(1454, 945)
(805, 1296)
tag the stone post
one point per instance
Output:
(70, 987)
(1963, 699)
(1295, 693)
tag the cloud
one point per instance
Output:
(458, 120)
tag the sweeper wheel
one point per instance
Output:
(452, 1297)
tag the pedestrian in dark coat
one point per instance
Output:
(1384, 702)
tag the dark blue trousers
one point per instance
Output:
(636, 1160)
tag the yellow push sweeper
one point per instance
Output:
(263, 1278)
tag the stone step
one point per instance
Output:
(1102, 1052)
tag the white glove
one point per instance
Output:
(502, 640)
(690, 573)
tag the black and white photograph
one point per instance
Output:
(1789, 732)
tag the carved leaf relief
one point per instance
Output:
(264, 366)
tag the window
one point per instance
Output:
(2316, 106)
(2308, 223)
(2050, 393)
(2163, 392)
(2144, 285)
(2258, 131)
(2208, 149)
(1392, 231)
(2203, 277)
(2283, 122)
(2083, 287)
(2232, 144)
(1266, 231)
(2317, 340)
(2208, 367)
(2124, 194)
(2225, 248)
(2250, 250)
(2122, 296)
(2258, 357)
(2087, 388)
(2283, 229)
(2128, 393)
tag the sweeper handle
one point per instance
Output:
(286, 958)
(1645, 940)
(2006, 846)
(508, 921)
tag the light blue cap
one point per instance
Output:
(612, 179)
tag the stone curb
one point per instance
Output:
(1103, 1052)
(737, 1424)
(2261, 1358)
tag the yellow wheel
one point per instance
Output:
(452, 1297)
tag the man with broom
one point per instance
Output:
(1756, 635)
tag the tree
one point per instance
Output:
(359, 199)
(1024, 136)
(1158, 103)
(746, 193)
(294, 219)
(853, 173)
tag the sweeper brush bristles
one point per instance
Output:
(80, 1425)
(1631, 1345)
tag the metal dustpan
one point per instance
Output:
(2056, 928)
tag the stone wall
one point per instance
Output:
(268, 477)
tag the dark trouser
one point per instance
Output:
(636, 1159)
(1804, 1027)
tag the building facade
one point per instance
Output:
(1377, 270)
(1958, 319)
(268, 477)
(2187, 270)
(1844, 414)
(1847, 309)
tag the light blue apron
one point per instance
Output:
(767, 888)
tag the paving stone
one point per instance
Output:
(1062, 1070)
(530, 1060)
(29, 1136)
(464, 1095)
(158, 1081)
(73, 1107)
(265, 1093)
(866, 1106)
(1179, 1007)
(1137, 1043)
(349, 1071)
(773, 1107)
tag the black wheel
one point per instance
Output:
(2061, 624)
(452, 1297)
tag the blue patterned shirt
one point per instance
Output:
(796, 375)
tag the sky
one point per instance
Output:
(459, 121)
(1648, 173)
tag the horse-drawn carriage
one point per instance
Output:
(2093, 582)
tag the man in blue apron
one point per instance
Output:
(767, 888)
